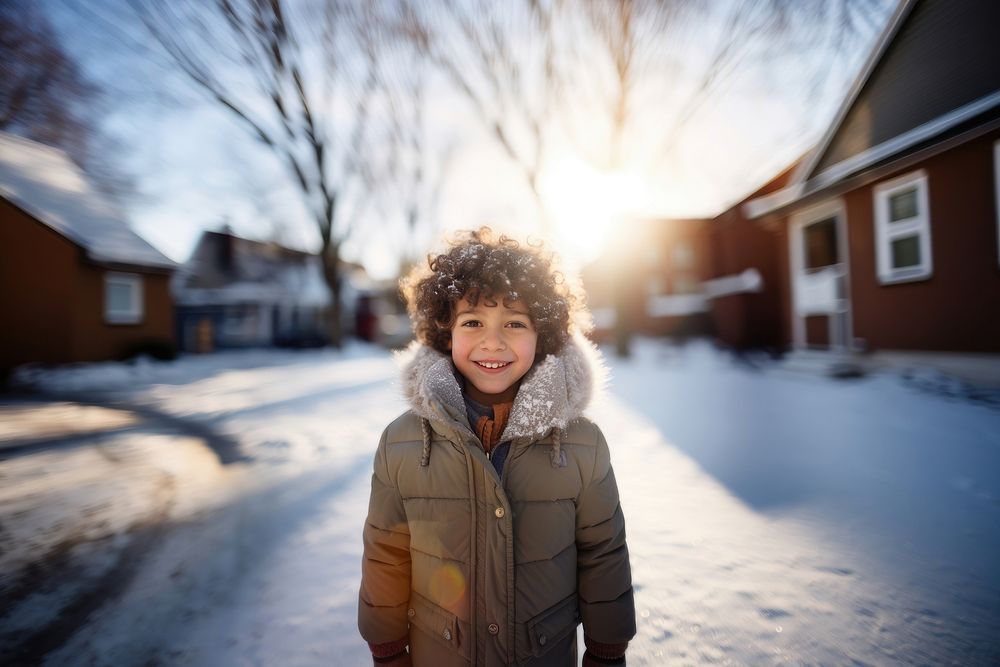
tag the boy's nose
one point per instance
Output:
(492, 341)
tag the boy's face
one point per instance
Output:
(492, 334)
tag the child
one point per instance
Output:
(494, 527)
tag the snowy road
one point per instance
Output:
(773, 518)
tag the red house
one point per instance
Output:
(887, 236)
(76, 283)
(748, 286)
(650, 280)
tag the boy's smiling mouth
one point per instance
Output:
(492, 365)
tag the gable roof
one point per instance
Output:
(225, 268)
(46, 184)
(932, 76)
(885, 39)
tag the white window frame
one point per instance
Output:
(132, 315)
(886, 232)
(996, 188)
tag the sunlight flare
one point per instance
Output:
(588, 204)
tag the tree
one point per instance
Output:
(645, 46)
(305, 81)
(501, 57)
(534, 69)
(46, 97)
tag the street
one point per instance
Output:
(773, 517)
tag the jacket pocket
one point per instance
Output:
(433, 620)
(547, 628)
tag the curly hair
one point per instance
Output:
(480, 266)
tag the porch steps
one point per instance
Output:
(824, 362)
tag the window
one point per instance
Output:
(903, 229)
(820, 240)
(122, 298)
(239, 322)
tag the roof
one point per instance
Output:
(790, 174)
(889, 114)
(46, 184)
(225, 268)
(885, 39)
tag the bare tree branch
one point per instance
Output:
(45, 96)
(291, 106)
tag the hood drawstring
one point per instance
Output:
(556, 453)
(425, 454)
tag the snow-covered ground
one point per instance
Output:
(773, 516)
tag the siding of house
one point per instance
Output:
(958, 307)
(751, 320)
(659, 271)
(94, 339)
(37, 287)
(52, 299)
(784, 286)
(944, 56)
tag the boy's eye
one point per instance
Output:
(470, 323)
(517, 325)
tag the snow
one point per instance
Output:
(830, 521)
(773, 516)
(44, 182)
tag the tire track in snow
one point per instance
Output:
(59, 569)
(211, 570)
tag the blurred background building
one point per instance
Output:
(234, 292)
(76, 282)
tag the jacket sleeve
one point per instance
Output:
(385, 567)
(604, 575)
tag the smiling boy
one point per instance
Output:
(493, 346)
(494, 526)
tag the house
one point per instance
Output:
(888, 234)
(747, 290)
(76, 282)
(234, 292)
(650, 280)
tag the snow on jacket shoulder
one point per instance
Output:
(476, 570)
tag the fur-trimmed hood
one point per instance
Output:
(554, 392)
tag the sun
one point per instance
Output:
(587, 205)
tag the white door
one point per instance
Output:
(819, 268)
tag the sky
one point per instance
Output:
(195, 169)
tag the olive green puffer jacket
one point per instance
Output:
(479, 570)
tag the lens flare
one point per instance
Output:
(447, 587)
